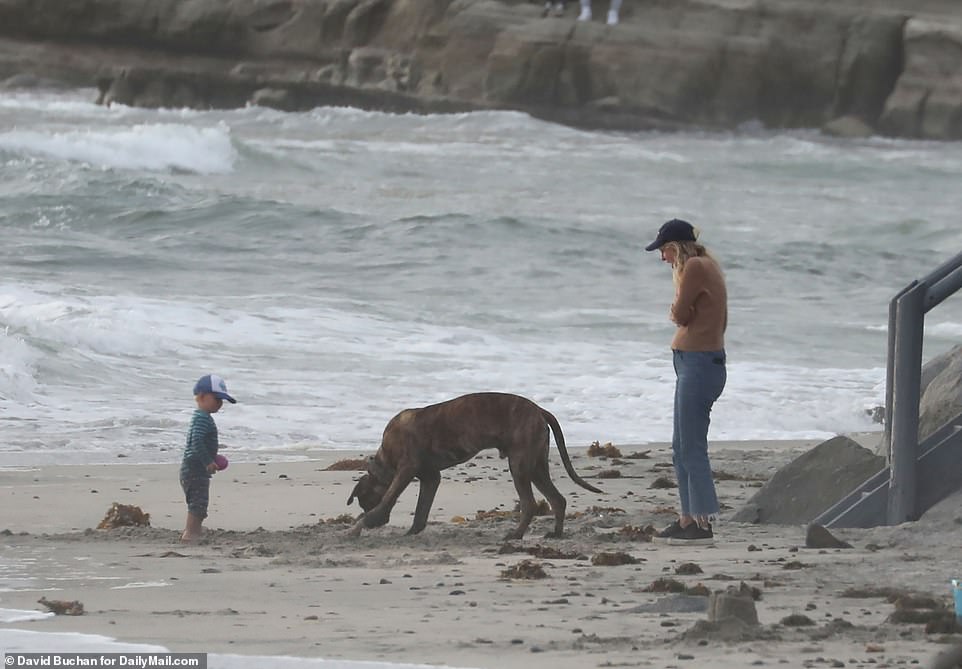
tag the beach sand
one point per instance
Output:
(277, 573)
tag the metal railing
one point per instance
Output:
(903, 382)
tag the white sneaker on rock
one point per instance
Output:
(612, 18)
(585, 14)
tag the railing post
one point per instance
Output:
(890, 374)
(907, 369)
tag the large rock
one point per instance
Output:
(937, 365)
(927, 100)
(891, 64)
(941, 392)
(940, 395)
(849, 127)
(811, 484)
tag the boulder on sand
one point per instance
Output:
(811, 483)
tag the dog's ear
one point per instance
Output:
(354, 493)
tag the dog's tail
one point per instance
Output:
(559, 439)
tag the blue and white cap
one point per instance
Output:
(215, 385)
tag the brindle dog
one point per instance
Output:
(419, 443)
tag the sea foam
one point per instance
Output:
(153, 147)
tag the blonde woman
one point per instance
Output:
(700, 312)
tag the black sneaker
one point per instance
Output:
(693, 536)
(673, 530)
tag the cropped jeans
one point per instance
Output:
(699, 380)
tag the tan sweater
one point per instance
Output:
(701, 307)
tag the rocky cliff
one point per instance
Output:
(851, 66)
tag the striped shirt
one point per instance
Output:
(201, 445)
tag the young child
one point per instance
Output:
(198, 464)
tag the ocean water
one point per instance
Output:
(337, 266)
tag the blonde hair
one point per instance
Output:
(684, 251)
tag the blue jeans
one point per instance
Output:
(699, 380)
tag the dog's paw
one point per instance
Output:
(355, 530)
(377, 517)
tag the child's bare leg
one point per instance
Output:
(193, 529)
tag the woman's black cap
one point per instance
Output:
(675, 230)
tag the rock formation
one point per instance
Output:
(811, 483)
(941, 399)
(889, 66)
